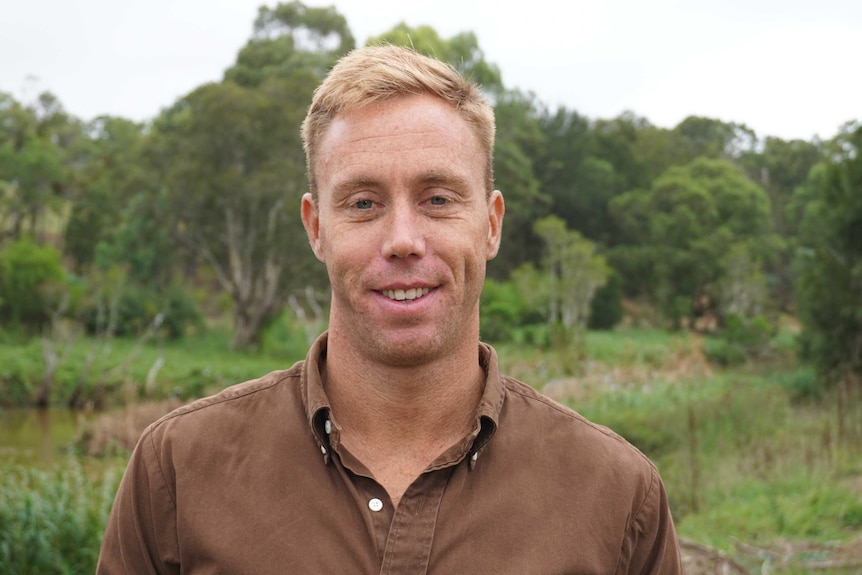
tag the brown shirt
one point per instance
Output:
(254, 481)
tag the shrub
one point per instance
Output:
(29, 273)
(742, 339)
(137, 308)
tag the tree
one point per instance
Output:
(233, 163)
(111, 173)
(829, 258)
(575, 271)
(781, 167)
(289, 40)
(31, 162)
(518, 141)
(710, 138)
(579, 183)
(677, 231)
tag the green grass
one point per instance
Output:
(52, 522)
(118, 370)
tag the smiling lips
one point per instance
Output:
(405, 295)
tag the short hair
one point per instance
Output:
(378, 73)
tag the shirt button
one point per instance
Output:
(375, 505)
(327, 427)
(323, 450)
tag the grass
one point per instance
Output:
(52, 522)
(749, 456)
(119, 370)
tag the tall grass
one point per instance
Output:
(52, 522)
(746, 458)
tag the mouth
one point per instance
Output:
(405, 294)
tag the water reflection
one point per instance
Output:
(38, 437)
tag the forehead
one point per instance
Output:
(396, 136)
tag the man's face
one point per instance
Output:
(405, 228)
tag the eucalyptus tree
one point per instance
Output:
(234, 167)
(33, 172)
(574, 271)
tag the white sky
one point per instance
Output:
(786, 68)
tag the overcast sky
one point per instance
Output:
(786, 68)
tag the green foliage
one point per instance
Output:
(680, 229)
(574, 270)
(113, 169)
(501, 310)
(30, 277)
(142, 244)
(830, 265)
(290, 38)
(52, 522)
(742, 339)
(606, 309)
(516, 310)
(803, 384)
(18, 374)
(137, 309)
(35, 142)
(233, 169)
(518, 144)
(288, 337)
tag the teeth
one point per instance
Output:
(410, 294)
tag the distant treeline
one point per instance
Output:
(115, 224)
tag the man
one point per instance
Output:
(396, 446)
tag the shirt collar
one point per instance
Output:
(317, 406)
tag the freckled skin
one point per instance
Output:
(402, 204)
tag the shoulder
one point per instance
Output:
(567, 436)
(235, 406)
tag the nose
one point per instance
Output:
(403, 234)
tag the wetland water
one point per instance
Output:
(38, 437)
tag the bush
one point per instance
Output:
(15, 387)
(501, 311)
(804, 383)
(742, 339)
(137, 308)
(29, 277)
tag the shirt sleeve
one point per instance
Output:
(653, 547)
(141, 535)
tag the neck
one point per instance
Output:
(425, 404)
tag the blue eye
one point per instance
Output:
(364, 204)
(438, 201)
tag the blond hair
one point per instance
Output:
(378, 73)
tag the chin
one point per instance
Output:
(410, 351)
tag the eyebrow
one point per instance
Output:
(433, 177)
(442, 177)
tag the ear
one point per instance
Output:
(496, 210)
(311, 222)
